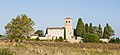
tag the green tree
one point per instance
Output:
(1, 35)
(80, 29)
(60, 39)
(97, 30)
(90, 38)
(114, 40)
(90, 28)
(86, 28)
(40, 33)
(105, 33)
(108, 31)
(117, 40)
(100, 31)
(64, 33)
(20, 27)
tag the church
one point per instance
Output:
(56, 32)
(66, 32)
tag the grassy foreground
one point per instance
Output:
(59, 48)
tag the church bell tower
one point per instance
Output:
(68, 27)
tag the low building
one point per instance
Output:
(56, 32)
(43, 38)
(66, 32)
(105, 40)
(34, 36)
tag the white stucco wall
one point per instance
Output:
(34, 37)
(53, 33)
(43, 38)
(104, 40)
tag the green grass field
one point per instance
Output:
(60, 48)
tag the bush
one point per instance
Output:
(37, 39)
(60, 39)
(5, 51)
(117, 40)
(101, 41)
(114, 40)
(90, 38)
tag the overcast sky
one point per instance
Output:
(51, 13)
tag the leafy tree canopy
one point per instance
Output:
(20, 27)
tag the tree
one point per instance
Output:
(117, 40)
(60, 39)
(75, 33)
(100, 31)
(105, 33)
(108, 31)
(90, 38)
(40, 33)
(86, 28)
(80, 29)
(97, 30)
(20, 27)
(114, 40)
(90, 28)
(64, 33)
(1, 35)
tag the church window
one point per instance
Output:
(66, 21)
(69, 21)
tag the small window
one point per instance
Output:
(69, 21)
(66, 21)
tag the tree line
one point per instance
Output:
(91, 33)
